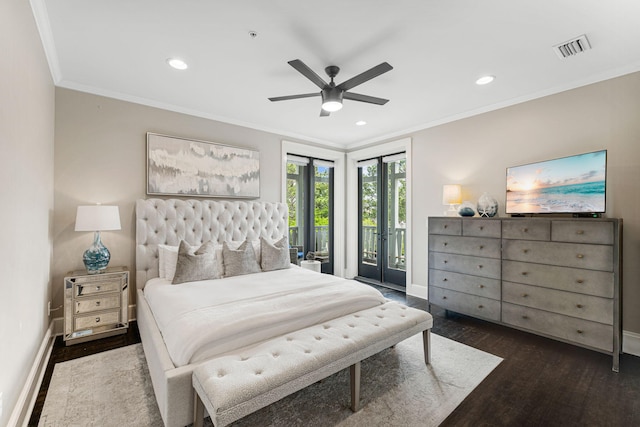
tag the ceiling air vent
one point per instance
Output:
(572, 47)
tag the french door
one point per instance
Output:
(310, 203)
(382, 188)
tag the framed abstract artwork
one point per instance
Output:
(188, 167)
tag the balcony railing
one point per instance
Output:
(396, 244)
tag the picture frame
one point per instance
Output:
(189, 167)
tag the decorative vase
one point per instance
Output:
(97, 257)
(487, 206)
(466, 209)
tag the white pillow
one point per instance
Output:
(167, 260)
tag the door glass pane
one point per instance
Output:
(295, 203)
(369, 214)
(396, 214)
(321, 213)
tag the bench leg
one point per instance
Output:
(426, 341)
(198, 411)
(354, 370)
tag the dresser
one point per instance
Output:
(95, 305)
(557, 277)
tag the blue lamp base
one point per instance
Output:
(97, 257)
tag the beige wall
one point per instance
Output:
(26, 197)
(475, 152)
(100, 156)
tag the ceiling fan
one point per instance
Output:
(332, 94)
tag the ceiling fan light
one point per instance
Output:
(331, 106)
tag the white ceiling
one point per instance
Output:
(438, 48)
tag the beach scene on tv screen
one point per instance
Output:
(566, 185)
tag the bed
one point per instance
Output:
(186, 325)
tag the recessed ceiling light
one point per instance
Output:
(178, 64)
(485, 80)
(361, 123)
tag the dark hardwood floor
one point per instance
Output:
(541, 382)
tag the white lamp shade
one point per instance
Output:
(451, 194)
(97, 218)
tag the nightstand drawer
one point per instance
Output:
(99, 319)
(96, 304)
(97, 287)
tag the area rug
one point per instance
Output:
(397, 389)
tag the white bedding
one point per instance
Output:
(199, 320)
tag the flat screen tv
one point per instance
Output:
(573, 184)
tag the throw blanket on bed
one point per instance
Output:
(199, 320)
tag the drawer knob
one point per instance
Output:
(525, 251)
(97, 287)
(525, 317)
(97, 303)
(524, 230)
(480, 266)
(481, 247)
(481, 306)
(579, 231)
(444, 244)
(525, 295)
(481, 227)
(579, 305)
(445, 226)
(444, 297)
(579, 331)
(481, 286)
(97, 320)
(579, 281)
(580, 256)
(445, 261)
(524, 273)
(445, 279)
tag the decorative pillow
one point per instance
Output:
(195, 264)
(275, 256)
(239, 261)
(167, 260)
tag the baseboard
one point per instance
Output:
(27, 399)
(631, 343)
(418, 291)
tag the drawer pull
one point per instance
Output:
(579, 305)
(97, 303)
(97, 287)
(97, 320)
(579, 331)
(524, 273)
(445, 226)
(481, 306)
(445, 279)
(481, 286)
(525, 317)
(580, 256)
(481, 247)
(525, 295)
(525, 230)
(579, 231)
(481, 227)
(445, 261)
(525, 251)
(444, 297)
(444, 244)
(579, 281)
(480, 266)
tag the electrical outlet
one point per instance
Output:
(49, 309)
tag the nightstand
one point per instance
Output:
(95, 305)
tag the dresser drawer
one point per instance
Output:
(475, 266)
(571, 304)
(88, 305)
(95, 320)
(592, 257)
(450, 226)
(477, 246)
(481, 286)
(591, 334)
(481, 228)
(527, 229)
(582, 232)
(472, 305)
(590, 282)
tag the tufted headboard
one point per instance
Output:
(166, 222)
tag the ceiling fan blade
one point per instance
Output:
(284, 98)
(324, 113)
(366, 76)
(364, 98)
(308, 73)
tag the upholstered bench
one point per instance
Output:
(232, 386)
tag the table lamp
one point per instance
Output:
(97, 218)
(451, 195)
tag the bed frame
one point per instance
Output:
(198, 221)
